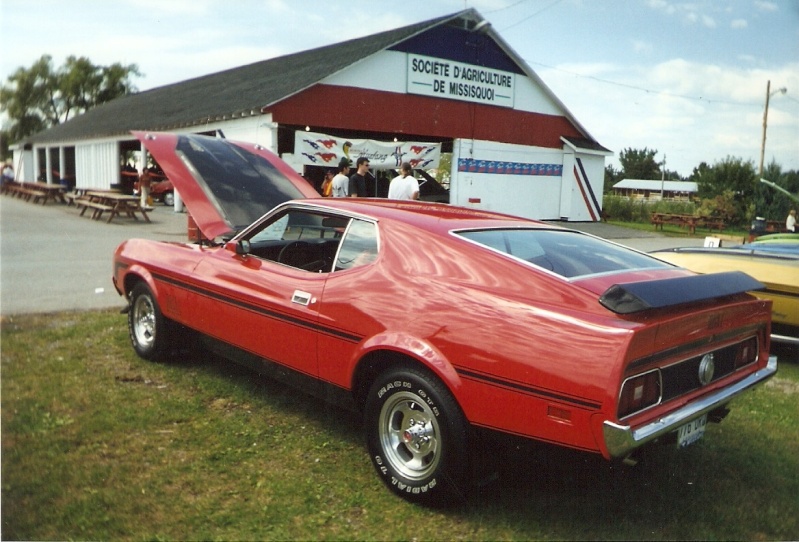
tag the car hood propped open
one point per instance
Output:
(225, 185)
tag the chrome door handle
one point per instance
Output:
(302, 298)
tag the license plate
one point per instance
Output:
(691, 432)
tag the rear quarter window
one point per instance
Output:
(566, 253)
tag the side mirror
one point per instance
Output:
(242, 248)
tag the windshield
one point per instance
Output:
(566, 253)
(241, 185)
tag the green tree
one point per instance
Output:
(639, 164)
(769, 202)
(41, 97)
(24, 101)
(731, 183)
(444, 169)
(731, 174)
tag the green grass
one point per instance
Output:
(98, 444)
(671, 230)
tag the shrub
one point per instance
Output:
(628, 210)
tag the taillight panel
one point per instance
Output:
(645, 390)
(640, 392)
(746, 352)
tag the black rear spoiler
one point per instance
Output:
(655, 294)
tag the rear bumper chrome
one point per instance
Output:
(621, 440)
(784, 339)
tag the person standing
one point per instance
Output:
(357, 187)
(790, 222)
(8, 173)
(145, 180)
(404, 186)
(327, 183)
(340, 183)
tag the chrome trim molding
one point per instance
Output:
(784, 339)
(621, 440)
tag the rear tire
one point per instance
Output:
(417, 436)
(147, 327)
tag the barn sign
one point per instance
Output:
(441, 78)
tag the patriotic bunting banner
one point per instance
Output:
(316, 149)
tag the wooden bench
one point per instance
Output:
(70, 197)
(97, 208)
(14, 190)
(29, 194)
(714, 225)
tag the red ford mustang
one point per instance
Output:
(435, 320)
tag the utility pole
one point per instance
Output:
(769, 94)
(662, 177)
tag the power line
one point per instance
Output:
(517, 23)
(649, 90)
(616, 83)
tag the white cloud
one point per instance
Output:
(689, 111)
(662, 5)
(640, 46)
(739, 23)
(172, 7)
(764, 5)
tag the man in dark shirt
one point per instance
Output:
(358, 179)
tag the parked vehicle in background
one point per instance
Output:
(435, 320)
(162, 191)
(771, 259)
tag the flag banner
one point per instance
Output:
(315, 149)
(499, 167)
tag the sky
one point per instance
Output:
(685, 78)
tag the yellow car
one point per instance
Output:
(772, 259)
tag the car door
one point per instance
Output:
(262, 307)
(265, 299)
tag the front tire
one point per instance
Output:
(416, 435)
(147, 327)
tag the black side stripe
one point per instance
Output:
(495, 381)
(308, 324)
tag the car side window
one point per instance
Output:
(301, 239)
(359, 246)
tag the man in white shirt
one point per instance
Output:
(341, 182)
(790, 222)
(404, 186)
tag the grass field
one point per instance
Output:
(98, 444)
(733, 235)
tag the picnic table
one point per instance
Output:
(115, 203)
(35, 191)
(686, 221)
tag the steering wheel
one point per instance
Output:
(285, 253)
